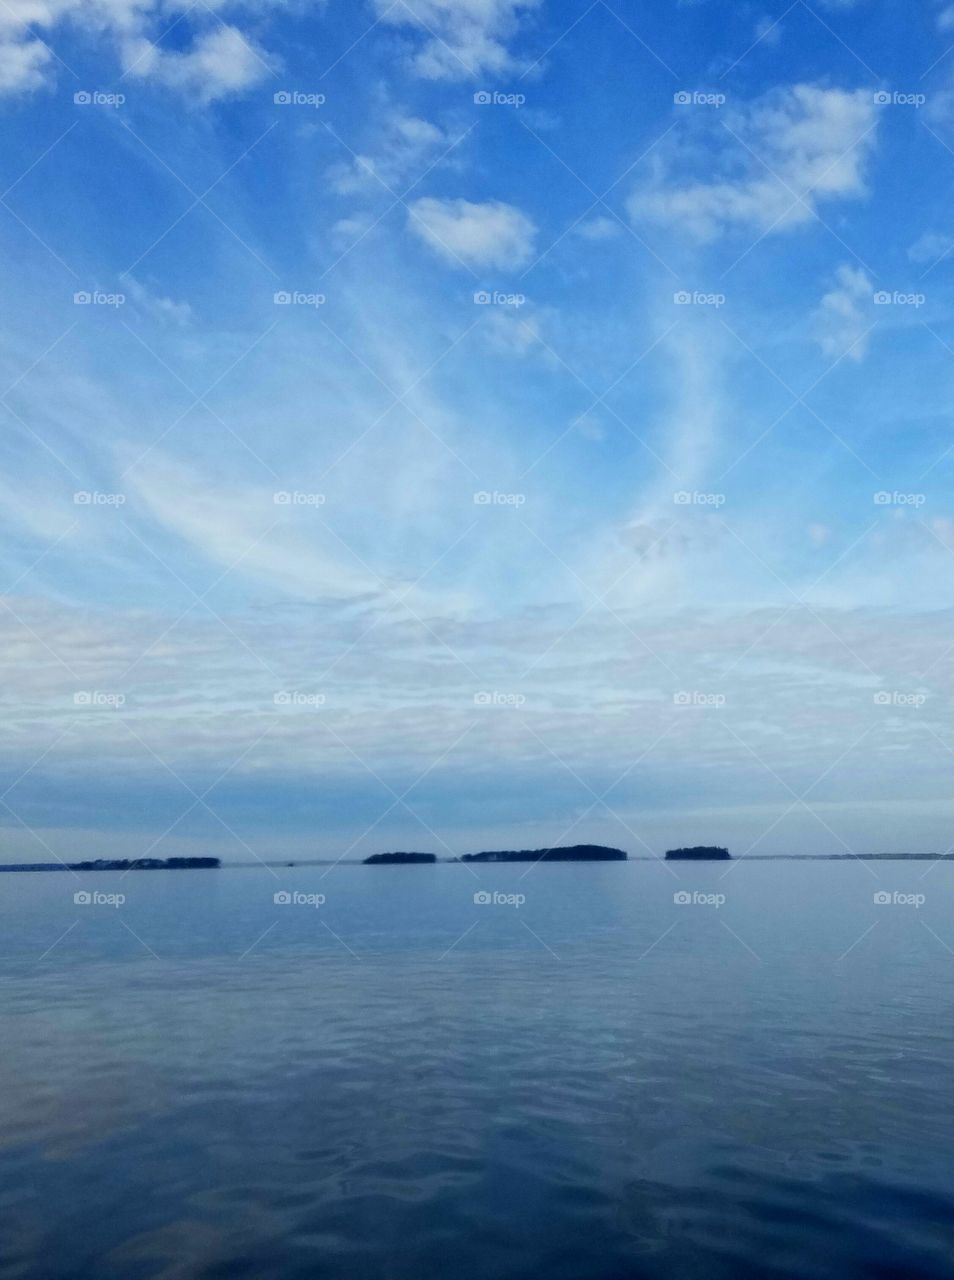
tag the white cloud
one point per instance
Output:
(407, 146)
(797, 698)
(463, 38)
(347, 231)
(931, 247)
(218, 63)
(768, 31)
(221, 59)
(599, 228)
(155, 305)
(233, 528)
(591, 427)
(844, 317)
(22, 65)
(793, 150)
(492, 234)
(512, 333)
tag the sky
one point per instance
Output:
(450, 424)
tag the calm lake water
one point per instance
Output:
(401, 1083)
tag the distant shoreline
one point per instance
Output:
(113, 865)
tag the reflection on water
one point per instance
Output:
(601, 1082)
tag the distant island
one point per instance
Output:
(565, 853)
(698, 853)
(390, 859)
(117, 864)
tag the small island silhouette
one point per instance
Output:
(565, 853)
(118, 864)
(146, 864)
(385, 859)
(697, 853)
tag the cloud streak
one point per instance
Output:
(781, 158)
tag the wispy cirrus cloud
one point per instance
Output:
(461, 39)
(405, 146)
(843, 317)
(765, 166)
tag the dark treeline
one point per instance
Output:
(380, 859)
(566, 853)
(698, 852)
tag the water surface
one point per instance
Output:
(402, 1083)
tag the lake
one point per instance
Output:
(602, 1081)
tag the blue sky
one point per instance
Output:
(456, 422)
